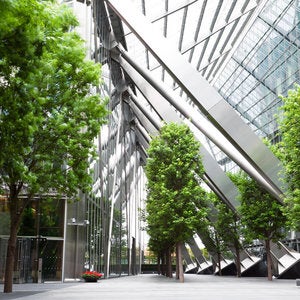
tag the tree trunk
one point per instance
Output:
(163, 264)
(238, 260)
(10, 261)
(16, 208)
(269, 259)
(177, 264)
(180, 266)
(218, 254)
(169, 263)
(11, 252)
(219, 263)
(158, 264)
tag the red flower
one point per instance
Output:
(91, 274)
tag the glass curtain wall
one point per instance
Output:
(40, 241)
(100, 232)
(264, 66)
(113, 239)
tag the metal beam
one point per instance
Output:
(158, 94)
(212, 105)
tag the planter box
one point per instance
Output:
(90, 279)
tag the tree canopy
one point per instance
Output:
(176, 202)
(229, 230)
(262, 215)
(289, 152)
(48, 115)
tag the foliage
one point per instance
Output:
(261, 214)
(43, 217)
(227, 224)
(91, 275)
(289, 152)
(175, 202)
(229, 230)
(48, 116)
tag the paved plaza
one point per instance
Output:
(153, 286)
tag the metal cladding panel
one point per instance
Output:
(149, 125)
(242, 134)
(186, 255)
(284, 259)
(219, 179)
(196, 251)
(204, 96)
(103, 22)
(75, 240)
(142, 140)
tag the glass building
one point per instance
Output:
(218, 66)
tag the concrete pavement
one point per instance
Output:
(154, 287)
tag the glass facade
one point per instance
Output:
(265, 65)
(247, 50)
(40, 242)
(112, 242)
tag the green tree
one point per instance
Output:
(163, 249)
(48, 117)
(212, 241)
(289, 153)
(228, 226)
(175, 202)
(262, 215)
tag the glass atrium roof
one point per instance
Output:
(205, 32)
(248, 50)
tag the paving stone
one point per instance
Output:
(157, 287)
